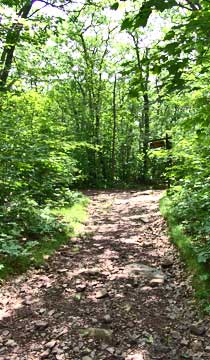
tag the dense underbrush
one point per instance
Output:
(30, 231)
(187, 210)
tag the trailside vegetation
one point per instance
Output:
(85, 89)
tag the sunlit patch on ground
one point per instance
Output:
(109, 295)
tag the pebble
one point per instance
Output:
(197, 346)
(107, 319)
(10, 342)
(184, 342)
(81, 287)
(111, 350)
(101, 294)
(197, 330)
(97, 333)
(42, 310)
(60, 357)
(175, 334)
(167, 262)
(41, 325)
(45, 354)
(5, 333)
(51, 344)
(135, 357)
(156, 282)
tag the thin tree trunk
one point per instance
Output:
(146, 135)
(12, 39)
(144, 82)
(114, 109)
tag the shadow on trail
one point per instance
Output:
(87, 284)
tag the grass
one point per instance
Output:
(185, 245)
(74, 217)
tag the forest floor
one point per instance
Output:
(118, 291)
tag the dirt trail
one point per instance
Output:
(118, 291)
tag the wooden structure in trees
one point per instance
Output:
(164, 143)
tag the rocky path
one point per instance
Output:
(118, 291)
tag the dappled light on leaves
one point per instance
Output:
(104, 95)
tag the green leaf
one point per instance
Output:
(127, 23)
(133, 93)
(156, 69)
(170, 35)
(77, 297)
(163, 5)
(114, 6)
(142, 18)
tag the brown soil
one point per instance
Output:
(119, 291)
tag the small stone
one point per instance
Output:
(172, 316)
(51, 312)
(97, 333)
(197, 330)
(146, 288)
(101, 294)
(133, 339)
(184, 342)
(107, 319)
(110, 350)
(56, 351)
(167, 262)
(10, 342)
(156, 282)
(62, 270)
(130, 324)
(36, 347)
(86, 358)
(51, 344)
(76, 349)
(41, 325)
(197, 346)
(81, 287)
(2, 351)
(175, 334)
(135, 283)
(135, 357)
(60, 357)
(45, 354)
(207, 348)
(5, 333)
(42, 310)
(86, 351)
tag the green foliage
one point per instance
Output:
(190, 173)
(114, 6)
(37, 170)
(34, 160)
(187, 248)
(159, 165)
(142, 17)
(58, 225)
(78, 108)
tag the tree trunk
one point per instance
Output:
(146, 135)
(114, 110)
(12, 39)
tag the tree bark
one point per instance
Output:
(114, 110)
(12, 39)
